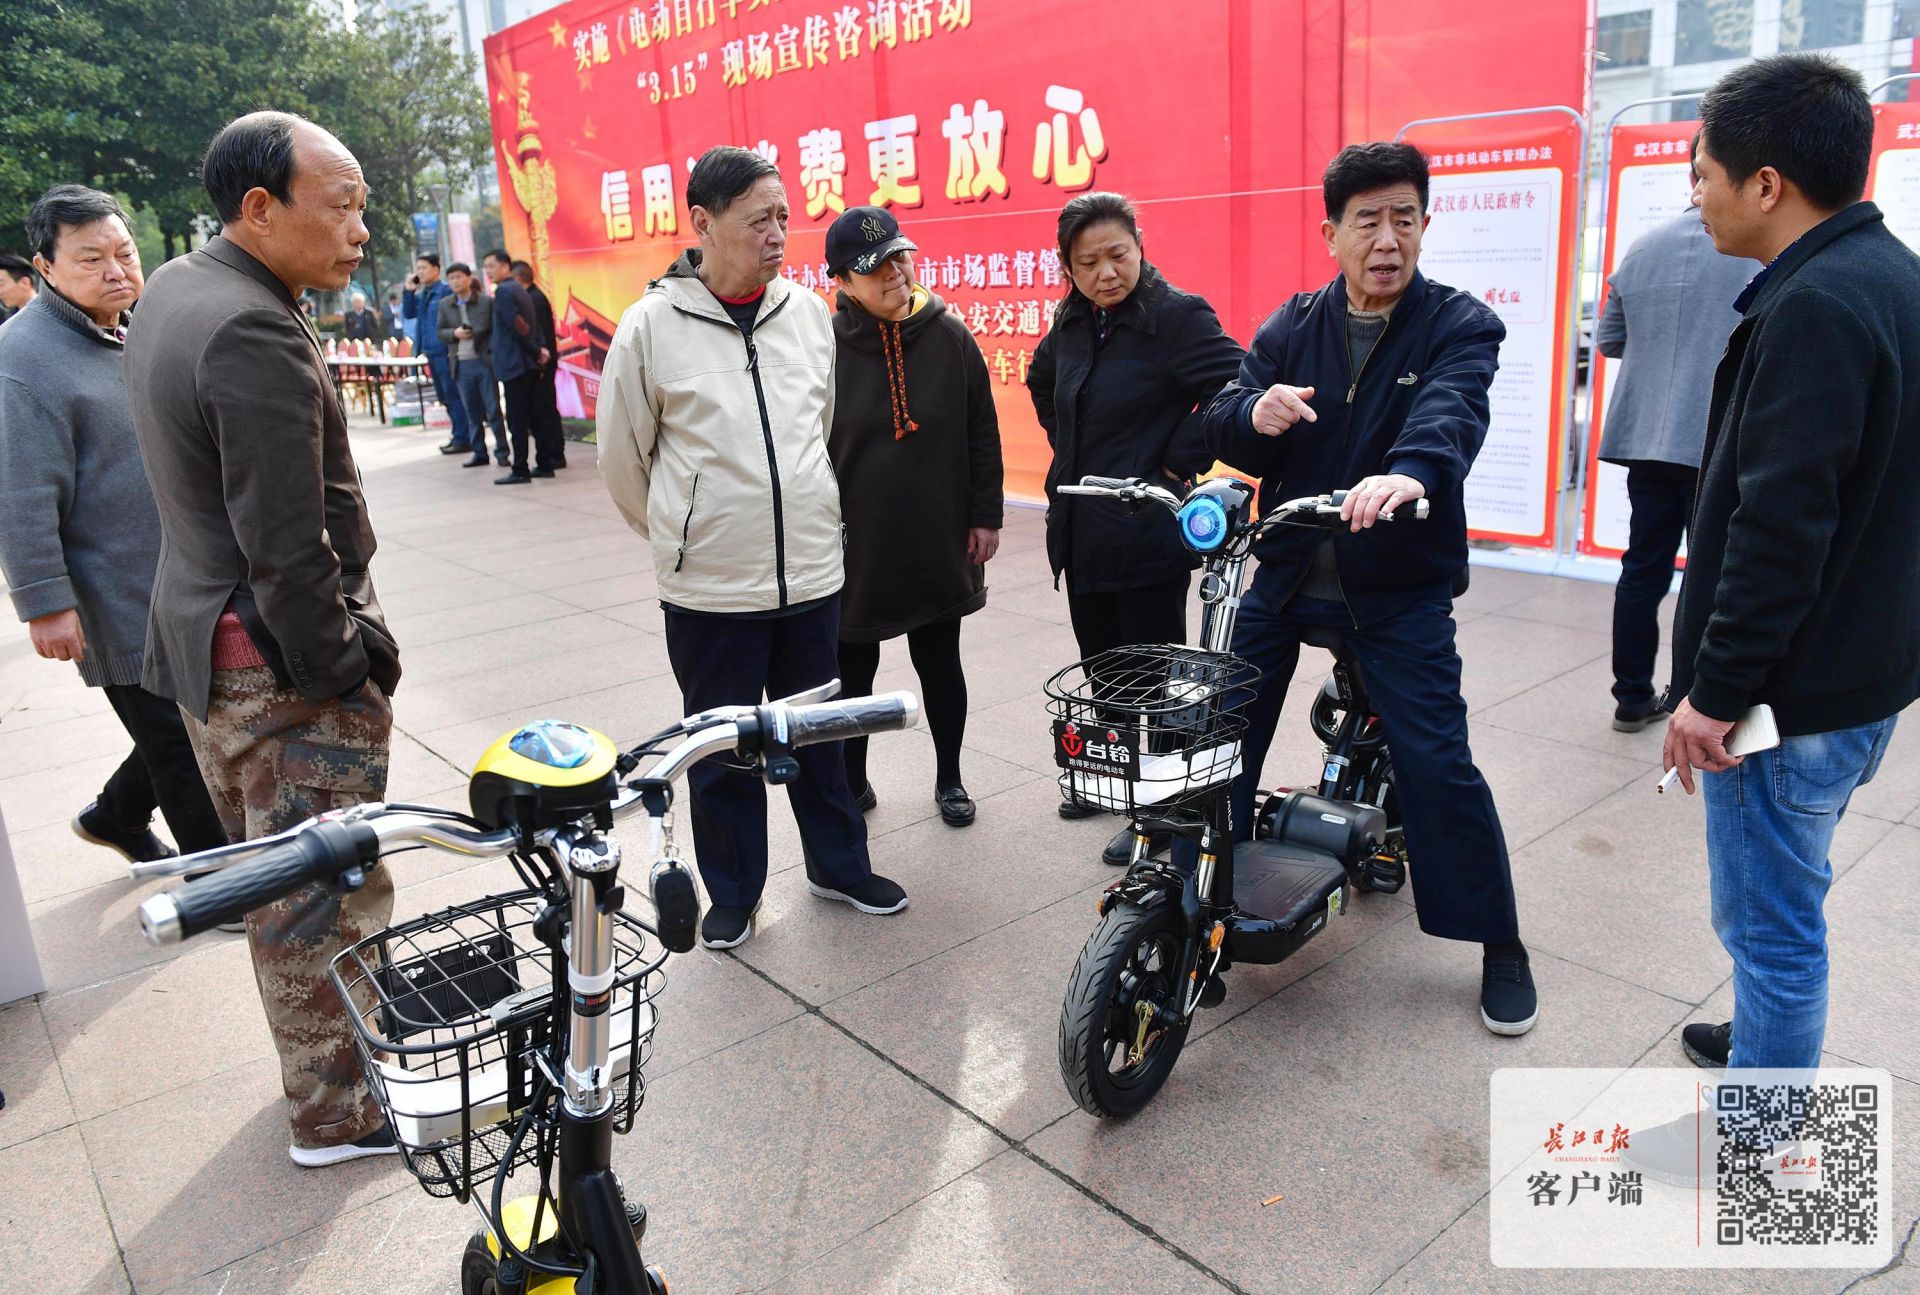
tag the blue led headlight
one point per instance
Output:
(1203, 523)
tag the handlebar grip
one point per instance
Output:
(836, 721)
(320, 853)
(1111, 483)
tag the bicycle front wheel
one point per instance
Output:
(1116, 1047)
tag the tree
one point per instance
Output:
(409, 108)
(58, 93)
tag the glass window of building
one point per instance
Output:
(1821, 24)
(1906, 19)
(1708, 30)
(1626, 39)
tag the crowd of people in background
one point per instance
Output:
(183, 519)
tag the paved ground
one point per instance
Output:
(872, 1104)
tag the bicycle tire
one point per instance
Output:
(1087, 1036)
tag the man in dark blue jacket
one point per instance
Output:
(1803, 577)
(518, 354)
(1377, 384)
(421, 304)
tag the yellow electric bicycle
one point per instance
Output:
(510, 1032)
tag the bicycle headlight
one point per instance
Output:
(543, 774)
(1203, 523)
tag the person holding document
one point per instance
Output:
(1802, 591)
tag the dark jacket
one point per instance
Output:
(1125, 409)
(1418, 407)
(260, 505)
(423, 308)
(543, 325)
(516, 337)
(363, 325)
(480, 318)
(913, 479)
(1803, 566)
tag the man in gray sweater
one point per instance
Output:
(1668, 314)
(79, 533)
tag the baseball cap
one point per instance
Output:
(862, 238)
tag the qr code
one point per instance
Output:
(1798, 1164)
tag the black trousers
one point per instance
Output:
(1462, 882)
(935, 650)
(740, 661)
(523, 422)
(1661, 497)
(546, 409)
(1149, 614)
(160, 773)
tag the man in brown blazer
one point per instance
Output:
(264, 627)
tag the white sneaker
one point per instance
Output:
(377, 1143)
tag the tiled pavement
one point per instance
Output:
(860, 1104)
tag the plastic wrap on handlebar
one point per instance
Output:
(836, 721)
(320, 853)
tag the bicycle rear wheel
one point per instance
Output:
(1115, 1050)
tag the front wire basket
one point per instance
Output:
(451, 1012)
(1149, 728)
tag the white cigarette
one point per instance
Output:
(1673, 776)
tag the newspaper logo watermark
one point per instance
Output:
(1680, 1168)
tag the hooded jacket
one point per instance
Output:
(916, 445)
(713, 444)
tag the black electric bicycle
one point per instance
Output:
(511, 1031)
(1153, 731)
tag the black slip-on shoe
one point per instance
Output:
(727, 928)
(873, 894)
(956, 807)
(1508, 1003)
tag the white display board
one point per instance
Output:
(1497, 235)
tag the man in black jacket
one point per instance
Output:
(1378, 383)
(1802, 589)
(546, 396)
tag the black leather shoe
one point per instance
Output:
(479, 462)
(541, 472)
(560, 462)
(1119, 851)
(956, 807)
(513, 479)
(1070, 811)
(866, 799)
(1631, 719)
(451, 448)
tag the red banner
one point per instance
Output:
(1647, 185)
(1505, 227)
(975, 120)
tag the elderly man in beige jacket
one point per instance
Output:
(745, 529)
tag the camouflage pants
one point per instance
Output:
(272, 758)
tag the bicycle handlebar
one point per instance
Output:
(255, 873)
(1307, 510)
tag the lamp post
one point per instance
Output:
(441, 192)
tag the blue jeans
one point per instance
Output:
(1770, 821)
(482, 396)
(440, 368)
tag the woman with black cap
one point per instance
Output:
(1122, 383)
(916, 446)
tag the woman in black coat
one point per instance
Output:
(1121, 383)
(915, 444)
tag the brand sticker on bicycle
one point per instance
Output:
(1088, 748)
(1677, 1168)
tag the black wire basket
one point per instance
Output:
(455, 1016)
(1149, 728)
